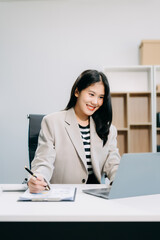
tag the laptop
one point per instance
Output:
(138, 174)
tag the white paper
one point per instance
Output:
(13, 187)
(54, 194)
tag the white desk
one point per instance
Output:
(85, 208)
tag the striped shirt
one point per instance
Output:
(85, 134)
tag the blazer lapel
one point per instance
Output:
(73, 131)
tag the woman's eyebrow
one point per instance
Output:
(91, 91)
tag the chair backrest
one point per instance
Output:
(33, 133)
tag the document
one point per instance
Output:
(13, 187)
(55, 194)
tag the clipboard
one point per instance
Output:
(55, 194)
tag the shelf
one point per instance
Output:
(158, 101)
(119, 106)
(145, 93)
(129, 79)
(157, 82)
(140, 139)
(122, 141)
(132, 117)
(140, 107)
(122, 129)
(134, 131)
(141, 124)
(132, 103)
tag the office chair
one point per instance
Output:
(33, 133)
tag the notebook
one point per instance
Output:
(138, 174)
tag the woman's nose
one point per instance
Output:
(95, 101)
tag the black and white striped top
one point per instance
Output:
(85, 133)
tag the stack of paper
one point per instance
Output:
(13, 187)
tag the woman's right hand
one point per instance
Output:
(37, 185)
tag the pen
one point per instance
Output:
(28, 170)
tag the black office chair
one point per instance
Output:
(33, 133)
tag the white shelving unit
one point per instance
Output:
(156, 77)
(133, 100)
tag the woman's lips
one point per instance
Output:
(91, 108)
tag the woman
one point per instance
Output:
(78, 144)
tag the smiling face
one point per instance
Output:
(89, 100)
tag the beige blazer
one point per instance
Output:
(60, 155)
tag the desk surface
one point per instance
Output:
(85, 208)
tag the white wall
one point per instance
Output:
(45, 45)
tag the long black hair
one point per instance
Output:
(103, 116)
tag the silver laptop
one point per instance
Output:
(138, 174)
